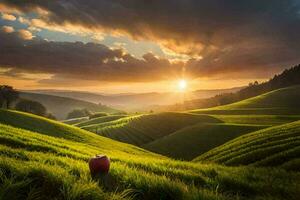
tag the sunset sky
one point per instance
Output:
(117, 46)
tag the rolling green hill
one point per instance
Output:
(283, 101)
(40, 124)
(275, 146)
(60, 130)
(48, 164)
(189, 142)
(142, 129)
(61, 106)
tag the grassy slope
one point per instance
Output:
(61, 106)
(38, 166)
(143, 129)
(60, 130)
(275, 146)
(278, 102)
(188, 143)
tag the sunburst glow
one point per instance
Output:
(182, 84)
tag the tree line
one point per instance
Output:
(10, 99)
(10, 96)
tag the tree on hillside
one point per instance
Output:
(33, 107)
(51, 116)
(7, 95)
(1, 101)
(78, 113)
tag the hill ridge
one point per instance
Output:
(277, 145)
(280, 101)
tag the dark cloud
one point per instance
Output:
(231, 36)
(78, 60)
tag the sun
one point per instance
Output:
(182, 84)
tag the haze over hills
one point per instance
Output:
(61, 106)
(134, 101)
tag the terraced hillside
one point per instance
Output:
(283, 101)
(49, 165)
(142, 129)
(275, 146)
(61, 106)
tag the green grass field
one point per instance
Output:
(56, 129)
(275, 146)
(237, 156)
(45, 162)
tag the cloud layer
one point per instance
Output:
(230, 36)
(78, 60)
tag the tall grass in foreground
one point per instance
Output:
(36, 166)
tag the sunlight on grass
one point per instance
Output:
(55, 166)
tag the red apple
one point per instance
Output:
(99, 165)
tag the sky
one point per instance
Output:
(118, 46)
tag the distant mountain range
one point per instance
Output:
(134, 101)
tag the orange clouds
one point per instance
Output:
(22, 33)
(25, 34)
(8, 29)
(8, 17)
